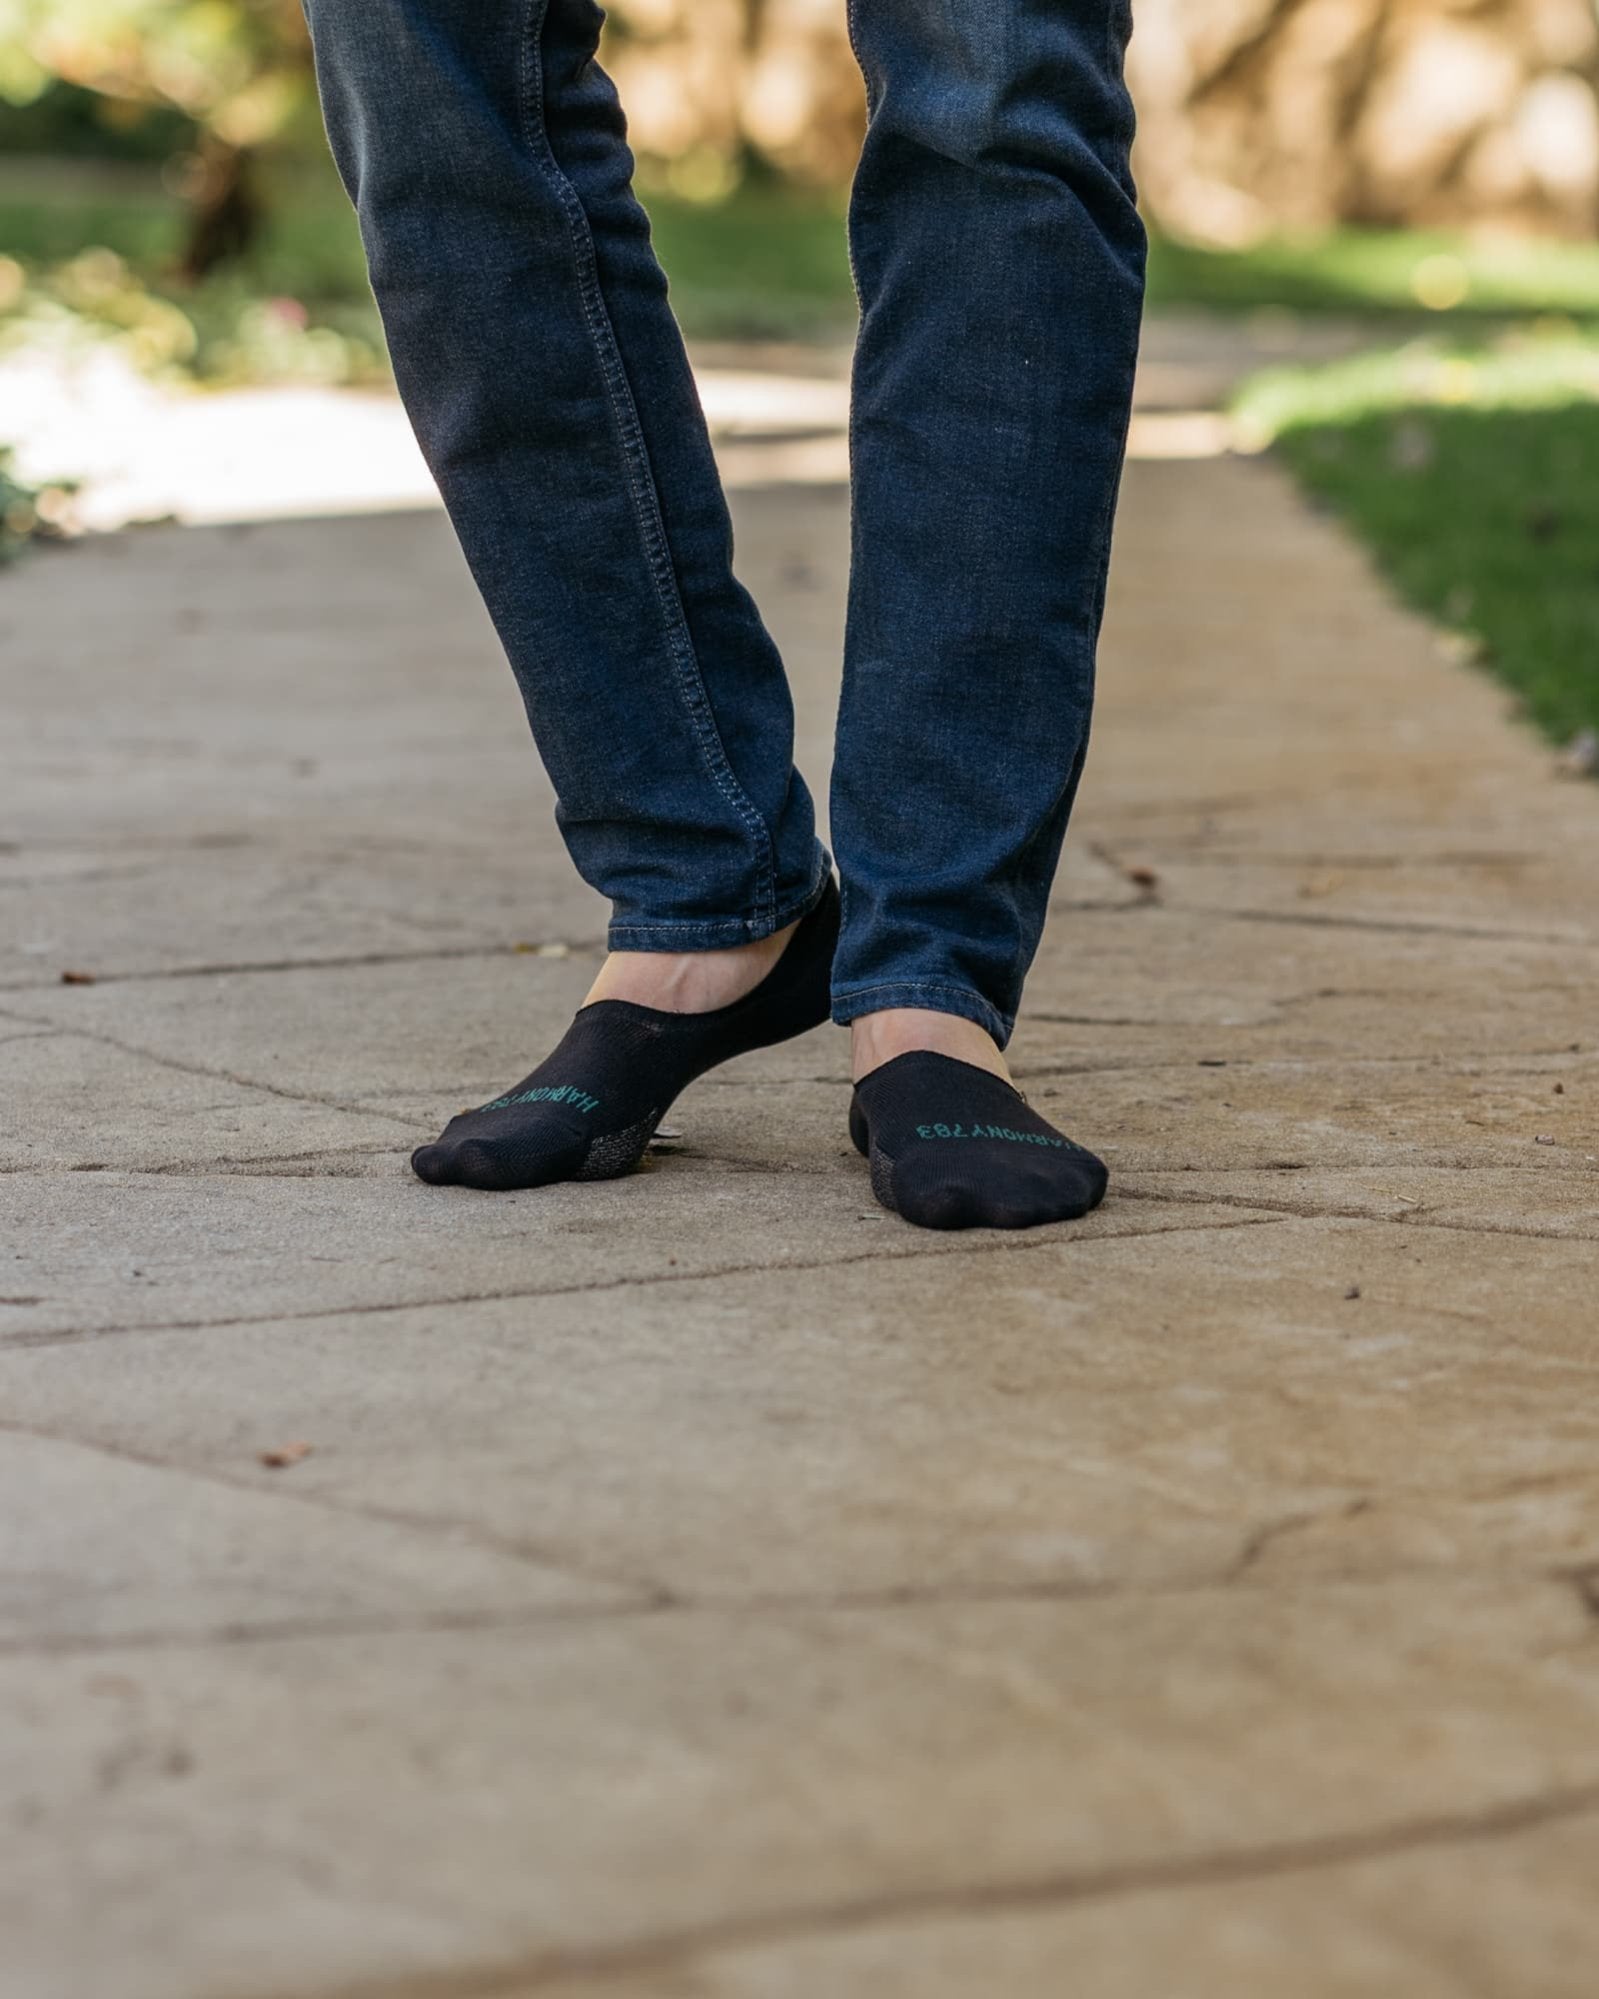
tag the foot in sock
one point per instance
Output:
(590, 1109)
(953, 1146)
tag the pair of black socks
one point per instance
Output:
(950, 1145)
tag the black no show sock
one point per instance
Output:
(588, 1111)
(952, 1146)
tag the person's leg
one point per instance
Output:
(540, 364)
(999, 258)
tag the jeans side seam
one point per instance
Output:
(642, 489)
(1104, 535)
(852, 31)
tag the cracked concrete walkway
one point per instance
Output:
(702, 1586)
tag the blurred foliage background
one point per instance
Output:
(1423, 174)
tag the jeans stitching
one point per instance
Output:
(852, 29)
(849, 993)
(1099, 550)
(911, 986)
(797, 906)
(1120, 27)
(640, 477)
(1105, 525)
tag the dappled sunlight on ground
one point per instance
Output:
(146, 450)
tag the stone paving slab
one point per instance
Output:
(1440, 1909)
(1212, 1034)
(125, 1549)
(1545, 1203)
(836, 1768)
(116, 1250)
(700, 1586)
(167, 1115)
(1108, 1430)
(1158, 967)
(141, 921)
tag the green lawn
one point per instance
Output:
(1465, 455)
(1470, 472)
(1419, 276)
(766, 263)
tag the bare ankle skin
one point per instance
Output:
(876, 1038)
(688, 981)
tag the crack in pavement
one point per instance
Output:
(659, 1601)
(662, 1602)
(1416, 1217)
(1419, 1059)
(35, 1033)
(59, 881)
(462, 1533)
(344, 963)
(1266, 1536)
(1158, 899)
(1188, 855)
(1390, 926)
(261, 1167)
(1550, 1162)
(1499, 1061)
(88, 1335)
(200, 1069)
(253, 1168)
(677, 1950)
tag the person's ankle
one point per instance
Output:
(876, 1038)
(688, 981)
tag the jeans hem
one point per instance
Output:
(721, 933)
(932, 995)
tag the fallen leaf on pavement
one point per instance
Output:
(285, 1455)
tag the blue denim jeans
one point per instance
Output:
(999, 258)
